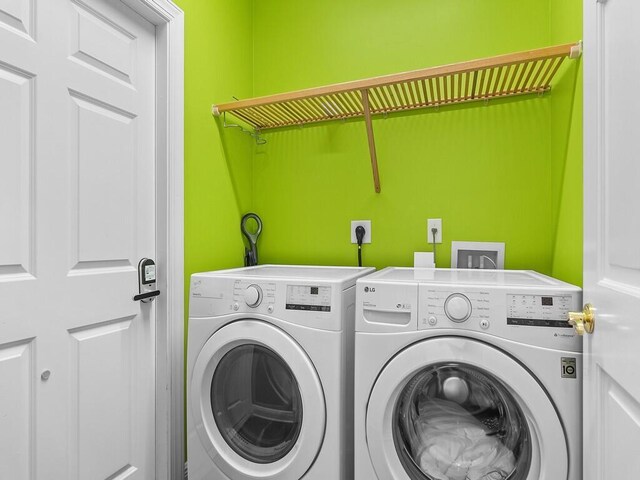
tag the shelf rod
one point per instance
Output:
(372, 141)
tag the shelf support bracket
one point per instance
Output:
(253, 134)
(372, 141)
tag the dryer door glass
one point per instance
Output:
(256, 403)
(458, 422)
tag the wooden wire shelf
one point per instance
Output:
(522, 73)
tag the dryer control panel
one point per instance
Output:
(314, 304)
(254, 294)
(315, 298)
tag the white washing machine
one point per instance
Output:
(467, 375)
(270, 373)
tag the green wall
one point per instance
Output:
(218, 66)
(566, 123)
(218, 173)
(499, 172)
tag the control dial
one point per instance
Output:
(253, 295)
(457, 307)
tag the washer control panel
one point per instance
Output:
(539, 310)
(438, 306)
(532, 316)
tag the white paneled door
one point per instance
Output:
(612, 239)
(77, 212)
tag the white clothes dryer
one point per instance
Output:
(270, 373)
(467, 375)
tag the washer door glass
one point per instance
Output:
(256, 403)
(458, 422)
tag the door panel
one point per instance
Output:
(103, 396)
(17, 15)
(16, 171)
(104, 177)
(102, 45)
(619, 427)
(16, 396)
(621, 171)
(18, 325)
(612, 236)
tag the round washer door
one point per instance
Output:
(454, 408)
(258, 402)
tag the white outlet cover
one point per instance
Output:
(367, 230)
(497, 247)
(434, 223)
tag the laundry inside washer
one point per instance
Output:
(456, 422)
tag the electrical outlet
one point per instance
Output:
(367, 230)
(437, 224)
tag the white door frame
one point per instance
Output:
(169, 22)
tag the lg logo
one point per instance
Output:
(369, 289)
(569, 369)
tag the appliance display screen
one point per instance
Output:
(538, 310)
(308, 297)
